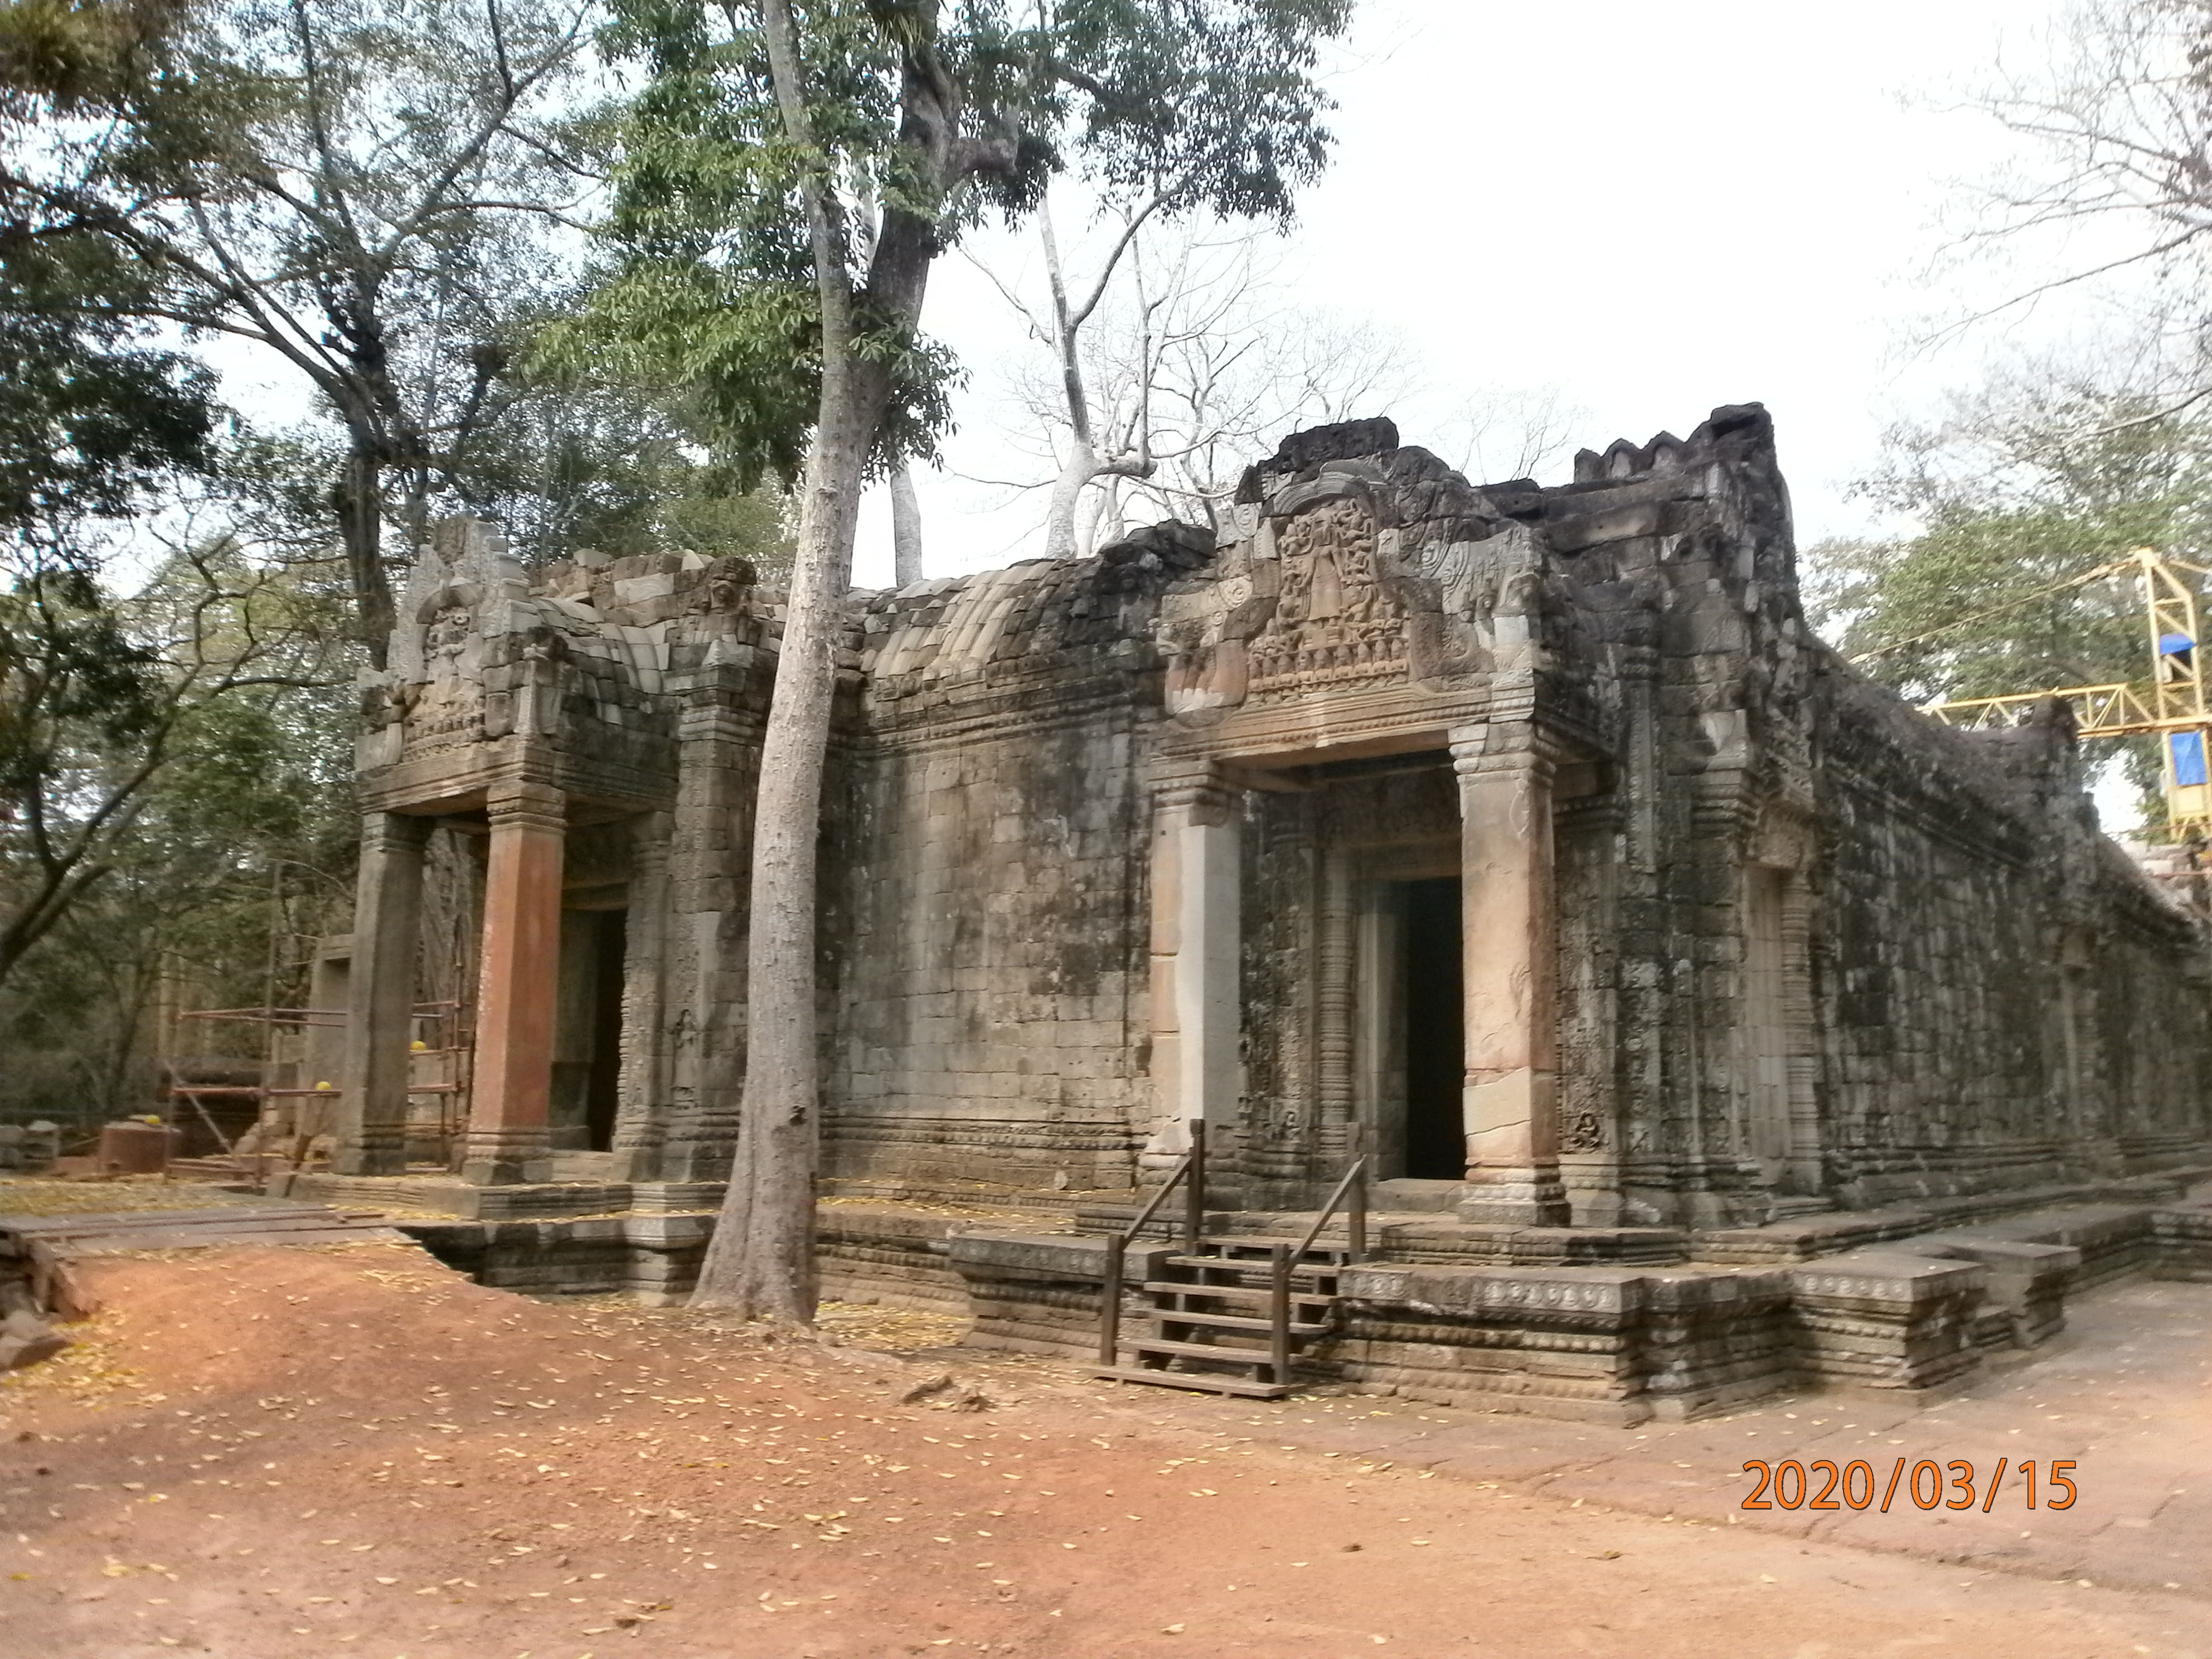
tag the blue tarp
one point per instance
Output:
(2188, 757)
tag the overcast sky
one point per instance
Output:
(1653, 208)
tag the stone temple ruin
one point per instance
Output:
(1522, 837)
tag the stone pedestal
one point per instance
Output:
(518, 996)
(372, 1073)
(1195, 942)
(1511, 932)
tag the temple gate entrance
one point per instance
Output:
(1432, 1016)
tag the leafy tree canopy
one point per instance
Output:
(2020, 496)
(926, 119)
(2017, 500)
(372, 191)
(93, 420)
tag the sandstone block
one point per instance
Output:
(1887, 1321)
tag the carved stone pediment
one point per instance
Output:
(1336, 622)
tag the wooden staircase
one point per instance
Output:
(1231, 1318)
(1229, 1314)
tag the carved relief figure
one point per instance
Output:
(1202, 629)
(446, 708)
(445, 637)
(1333, 623)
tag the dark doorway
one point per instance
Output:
(1436, 1063)
(601, 1091)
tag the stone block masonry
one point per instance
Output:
(1521, 839)
(1910, 1319)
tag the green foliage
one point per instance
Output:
(2017, 500)
(85, 433)
(587, 461)
(2014, 506)
(94, 421)
(927, 119)
(150, 822)
(67, 667)
(370, 189)
(95, 424)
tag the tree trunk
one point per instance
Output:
(361, 528)
(760, 1264)
(58, 889)
(1082, 464)
(1109, 523)
(1081, 467)
(906, 531)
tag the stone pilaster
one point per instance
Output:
(1511, 943)
(1194, 940)
(641, 1116)
(373, 1077)
(519, 997)
(709, 868)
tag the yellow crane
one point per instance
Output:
(2169, 704)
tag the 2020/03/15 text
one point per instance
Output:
(1824, 1484)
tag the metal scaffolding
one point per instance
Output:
(2169, 704)
(436, 1047)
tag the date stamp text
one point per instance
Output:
(1857, 1485)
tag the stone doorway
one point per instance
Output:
(588, 1045)
(1432, 1018)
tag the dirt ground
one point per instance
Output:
(297, 1454)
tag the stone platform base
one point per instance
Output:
(1912, 1317)
(1601, 1325)
(864, 1253)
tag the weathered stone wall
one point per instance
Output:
(1972, 989)
(2004, 1001)
(1801, 946)
(985, 926)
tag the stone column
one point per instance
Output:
(1510, 930)
(518, 994)
(1194, 954)
(641, 1116)
(710, 866)
(372, 1134)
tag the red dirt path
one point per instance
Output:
(286, 1454)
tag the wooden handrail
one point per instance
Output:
(1354, 1181)
(1193, 1192)
(1191, 1168)
(1279, 1313)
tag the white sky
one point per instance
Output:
(1648, 209)
(1654, 209)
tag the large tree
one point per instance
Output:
(95, 425)
(2108, 196)
(106, 701)
(2021, 493)
(1175, 359)
(243, 822)
(361, 188)
(791, 172)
